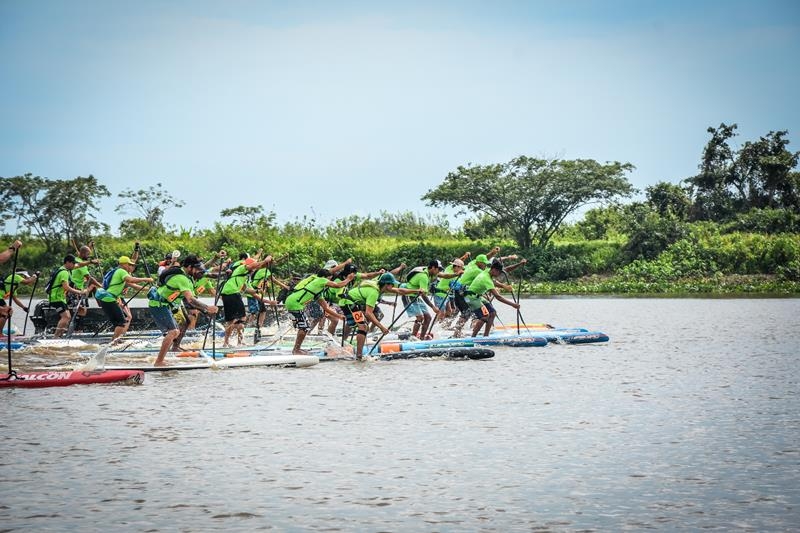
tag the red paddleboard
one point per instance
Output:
(62, 378)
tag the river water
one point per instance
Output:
(689, 418)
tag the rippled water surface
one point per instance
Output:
(687, 419)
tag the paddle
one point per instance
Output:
(389, 328)
(30, 302)
(446, 297)
(212, 320)
(11, 372)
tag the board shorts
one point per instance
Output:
(314, 310)
(483, 311)
(416, 308)
(163, 318)
(113, 312)
(255, 306)
(354, 315)
(440, 299)
(300, 320)
(234, 307)
(73, 299)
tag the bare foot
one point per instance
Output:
(300, 352)
(160, 363)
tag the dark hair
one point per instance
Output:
(244, 255)
(323, 273)
(69, 258)
(348, 268)
(190, 260)
(497, 264)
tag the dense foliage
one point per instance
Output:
(734, 227)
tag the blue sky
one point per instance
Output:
(326, 109)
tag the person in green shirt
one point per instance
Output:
(231, 293)
(359, 305)
(5, 255)
(21, 277)
(419, 278)
(59, 289)
(310, 289)
(176, 289)
(203, 286)
(82, 279)
(110, 299)
(476, 296)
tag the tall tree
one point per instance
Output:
(758, 175)
(531, 197)
(151, 203)
(56, 211)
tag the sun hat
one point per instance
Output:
(330, 264)
(458, 263)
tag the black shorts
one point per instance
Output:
(461, 303)
(314, 310)
(59, 307)
(234, 307)
(113, 312)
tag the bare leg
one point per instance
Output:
(298, 342)
(169, 337)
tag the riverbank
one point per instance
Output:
(722, 285)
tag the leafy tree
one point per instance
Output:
(601, 222)
(249, 218)
(151, 203)
(759, 175)
(650, 233)
(531, 197)
(669, 199)
(56, 211)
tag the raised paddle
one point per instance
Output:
(11, 372)
(30, 302)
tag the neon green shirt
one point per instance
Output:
(470, 271)
(78, 276)
(17, 280)
(443, 286)
(57, 293)
(308, 289)
(203, 285)
(172, 291)
(238, 280)
(367, 293)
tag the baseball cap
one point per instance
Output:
(435, 263)
(388, 279)
(124, 260)
(482, 259)
(330, 264)
(458, 263)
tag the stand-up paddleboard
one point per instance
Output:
(292, 361)
(536, 326)
(561, 336)
(14, 345)
(447, 353)
(70, 377)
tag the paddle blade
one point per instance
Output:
(98, 360)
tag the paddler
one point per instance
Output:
(7, 298)
(110, 299)
(478, 301)
(416, 308)
(232, 291)
(359, 305)
(59, 289)
(176, 289)
(307, 290)
(82, 279)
